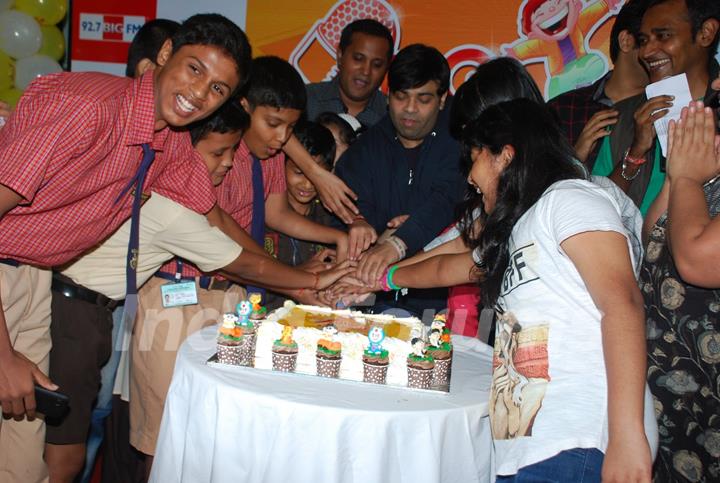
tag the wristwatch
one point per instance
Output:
(631, 160)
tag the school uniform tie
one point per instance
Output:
(257, 226)
(131, 299)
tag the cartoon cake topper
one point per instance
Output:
(329, 332)
(438, 322)
(244, 309)
(418, 347)
(229, 327)
(435, 338)
(286, 337)
(556, 32)
(376, 335)
(258, 311)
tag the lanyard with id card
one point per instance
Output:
(177, 293)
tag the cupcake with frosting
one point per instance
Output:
(230, 341)
(329, 353)
(440, 348)
(375, 358)
(285, 351)
(420, 365)
(244, 311)
(258, 312)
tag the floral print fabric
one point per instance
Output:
(683, 341)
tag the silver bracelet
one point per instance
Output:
(626, 177)
(399, 246)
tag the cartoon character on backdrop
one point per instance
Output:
(327, 30)
(520, 377)
(463, 61)
(556, 32)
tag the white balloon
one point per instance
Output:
(20, 34)
(5, 4)
(27, 69)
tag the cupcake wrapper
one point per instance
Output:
(419, 378)
(441, 372)
(328, 367)
(248, 350)
(284, 362)
(374, 373)
(230, 354)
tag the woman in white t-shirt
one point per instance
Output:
(568, 398)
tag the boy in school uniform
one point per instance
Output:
(70, 156)
(253, 194)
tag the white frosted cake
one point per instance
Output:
(352, 334)
(344, 344)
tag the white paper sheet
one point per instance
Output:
(671, 86)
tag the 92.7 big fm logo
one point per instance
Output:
(108, 27)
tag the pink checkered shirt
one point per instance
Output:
(72, 145)
(235, 194)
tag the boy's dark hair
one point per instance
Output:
(417, 64)
(366, 26)
(698, 12)
(218, 31)
(318, 140)
(231, 117)
(347, 133)
(147, 42)
(628, 18)
(275, 83)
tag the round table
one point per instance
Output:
(230, 424)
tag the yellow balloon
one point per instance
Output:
(7, 71)
(11, 96)
(46, 12)
(53, 42)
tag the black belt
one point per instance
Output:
(68, 288)
(205, 282)
(9, 261)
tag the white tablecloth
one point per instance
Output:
(236, 424)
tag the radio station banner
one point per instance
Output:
(564, 43)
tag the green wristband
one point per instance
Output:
(390, 278)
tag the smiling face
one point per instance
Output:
(414, 112)
(553, 20)
(270, 128)
(667, 46)
(362, 66)
(300, 190)
(191, 83)
(485, 173)
(217, 150)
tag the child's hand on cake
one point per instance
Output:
(322, 260)
(361, 236)
(328, 277)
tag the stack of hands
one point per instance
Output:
(369, 255)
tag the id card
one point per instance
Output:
(178, 294)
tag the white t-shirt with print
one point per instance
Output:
(549, 390)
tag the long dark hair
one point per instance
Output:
(498, 80)
(542, 156)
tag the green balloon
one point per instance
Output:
(11, 96)
(46, 12)
(53, 42)
(7, 71)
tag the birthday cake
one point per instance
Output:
(344, 344)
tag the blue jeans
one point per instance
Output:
(103, 405)
(576, 465)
